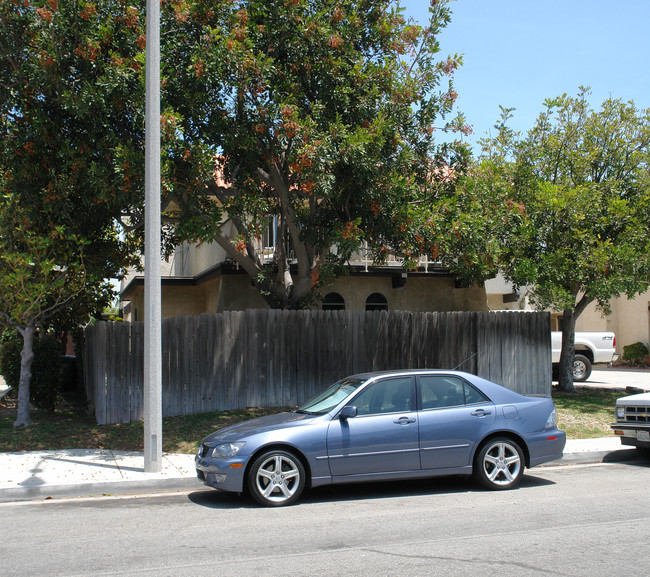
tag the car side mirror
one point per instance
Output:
(348, 412)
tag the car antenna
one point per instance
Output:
(467, 359)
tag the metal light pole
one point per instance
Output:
(152, 300)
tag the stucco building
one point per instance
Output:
(200, 279)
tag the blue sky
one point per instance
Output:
(519, 52)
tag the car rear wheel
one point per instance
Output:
(276, 478)
(499, 464)
(581, 368)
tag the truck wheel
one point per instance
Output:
(581, 368)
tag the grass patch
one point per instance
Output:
(582, 415)
(73, 428)
(587, 413)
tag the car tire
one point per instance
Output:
(499, 464)
(276, 478)
(581, 368)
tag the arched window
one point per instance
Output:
(333, 302)
(376, 302)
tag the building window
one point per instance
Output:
(376, 302)
(270, 236)
(333, 302)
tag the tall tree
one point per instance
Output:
(41, 276)
(574, 199)
(319, 115)
(71, 157)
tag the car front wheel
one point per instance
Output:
(276, 478)
(499, 464)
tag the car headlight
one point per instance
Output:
(551, 422)
(226, 450)
(620, 412)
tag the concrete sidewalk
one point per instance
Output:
(85, 473)
(617, 378)
(89, 472)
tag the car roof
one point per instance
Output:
(497, 393)
(373, 374)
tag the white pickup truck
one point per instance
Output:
(633, 421)
(591, 347)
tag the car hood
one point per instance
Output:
(259, 425)
(641, 399)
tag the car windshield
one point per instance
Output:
(331, 397)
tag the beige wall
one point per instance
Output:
(236, 292)
(193, 259)
(176, 301)
(495, 303)
(419, 294)
(631, 320)
(593, 320)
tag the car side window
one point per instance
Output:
(446, 391)
(441, 391)
(386, 396)
(474, 396)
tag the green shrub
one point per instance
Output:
(46, 368)
(12, 344)
(635, 352)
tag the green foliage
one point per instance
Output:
(572, 201)
(46, 373)
(10, 358)
(323, 115)
(571, 205)
(71, 160)
(46, 368)
(40, 275)
(635, 352)
(71, 125)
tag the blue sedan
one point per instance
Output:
(384, 426)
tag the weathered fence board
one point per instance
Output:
(280, 358)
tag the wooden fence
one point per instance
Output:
(282, 358)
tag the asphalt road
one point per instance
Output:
(571, 520)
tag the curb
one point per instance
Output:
(623, 455)
(98, 489)
(189, 483)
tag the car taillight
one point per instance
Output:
(614, 341)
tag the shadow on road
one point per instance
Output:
(362, 491)
(631, 456)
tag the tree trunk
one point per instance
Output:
(26, 357)
(565, 377)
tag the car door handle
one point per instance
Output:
(403, 421)
(480, 413)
